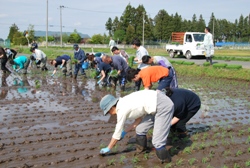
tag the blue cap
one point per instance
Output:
(107, 102)
(75, 46)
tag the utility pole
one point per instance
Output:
(213, 27)
(143, 28)
(47, 26)
(61, 22)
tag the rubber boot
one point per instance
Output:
(163, 154)
(75, 76)
(141, 144)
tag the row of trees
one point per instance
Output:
(130, 25)
(18, 37)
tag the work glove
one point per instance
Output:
(134, 62)
(37, 61)
(98, 76)
(52, 75)
(61, 66)
(123, 134)
(17, 70)
(99, 82)
(104, 150)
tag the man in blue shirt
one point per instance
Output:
(104, 69)
(65, 64)
(22, 62)
(80, 56)
(118, 63)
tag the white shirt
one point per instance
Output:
(208, 39)
(39, 54)
(133, 106)
(139, 54)
(111, 43)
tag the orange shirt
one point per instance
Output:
(152, 74)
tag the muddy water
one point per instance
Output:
(55, 122)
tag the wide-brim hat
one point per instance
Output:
(107, 102)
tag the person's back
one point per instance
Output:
(119, 63)
(184, 100)
(158, 59)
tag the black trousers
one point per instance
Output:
(180, 126)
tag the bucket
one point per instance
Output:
(85, 65)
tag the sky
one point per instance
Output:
(89, 17)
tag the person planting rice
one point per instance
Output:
(65, 64)
(135, 106)
(186, 105)
(22, 62)
(163, 61)
(151, 74)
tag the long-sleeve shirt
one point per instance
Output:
(119, 63)
(19, 61)
(163, 61)
(60, 59)
(184, 101)
(80, 55)
(39, 54)
(208, 39)
(141, 51)
(133, 106)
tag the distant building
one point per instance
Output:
(57, 35)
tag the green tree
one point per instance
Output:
(65, 38)
(130, 34)
(19, 39)
(120, 35)
(31, 32)
(97, 39)
(108, 26)
(13, 29)
(115, 25)
(201, 24)
(75, 37)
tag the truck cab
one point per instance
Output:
(188, 44)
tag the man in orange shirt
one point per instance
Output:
(151, 74)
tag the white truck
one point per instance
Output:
(188, 44)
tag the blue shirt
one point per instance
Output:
(59, 59)
(80, 55)
(119, 63)
(19, 61)
(103, 66)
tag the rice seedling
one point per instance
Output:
(168, 165)
(209, 166)
(192, 161)
(202, 145)
(135, 159)
(248, 149)
(205, 160)
(248, 140)
(122, 158)
(146, 156)
(236, 165)
(111, 162)
(179, 162)
(226, 153)
(247, 163)
(238, 153)
(241, 132)
(187, 150)
(224, 166)
(114, 149)
(102, 146)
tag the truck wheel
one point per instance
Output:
(171, 54)
(188, 55)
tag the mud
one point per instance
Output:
(57, 122)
